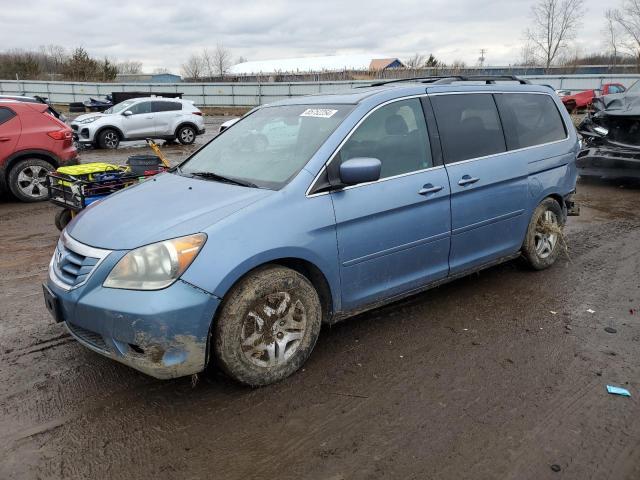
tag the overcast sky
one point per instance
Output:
(163, 33)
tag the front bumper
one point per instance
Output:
(609, 162)
(162, 333)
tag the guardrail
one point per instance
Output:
(252, 94)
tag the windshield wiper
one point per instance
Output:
(222, 178)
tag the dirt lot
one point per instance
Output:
(499, 375)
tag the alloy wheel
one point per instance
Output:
(32, 181)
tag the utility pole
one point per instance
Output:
(481, 58)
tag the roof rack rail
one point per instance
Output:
(448, 79)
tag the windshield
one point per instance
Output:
(268, 147)
(120, 107)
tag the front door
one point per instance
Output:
(393, 235)
(141, 123)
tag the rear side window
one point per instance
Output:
(469, 126)
(530, 119)
(396, 134)
(6, 115)
(166, 106)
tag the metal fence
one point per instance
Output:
(251, 94)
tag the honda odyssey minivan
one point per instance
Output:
(309, 210)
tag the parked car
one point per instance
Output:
(224, 125)
(36, 99)
(585, 98)
(32, 143)
(140, 118)
(611, 137)
(237, 256)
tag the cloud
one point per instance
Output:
(163, 33)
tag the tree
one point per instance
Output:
(221, 59)
(414, 62)
(129, 67)
(160, 70)
(628, 17)
(193, 68)
(432, 62)
(241, 59)
(555, 23)
(80, 66)
(107, 70)
(612, 34)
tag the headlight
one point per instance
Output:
(155, 266)
(87, 120)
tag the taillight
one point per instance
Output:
(60, 134)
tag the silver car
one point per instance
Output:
(140, 118)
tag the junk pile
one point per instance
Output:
(611, 136)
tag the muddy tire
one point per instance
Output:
(109, 139)
(267, 327)
(543, 241)
(27, 179)
(63, 217)
(186, 135)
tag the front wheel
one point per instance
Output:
(109, 139)
(186, 135)
(267, 326)
(544, 235)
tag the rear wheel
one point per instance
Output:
(186, 135)
(109, 139)
(542, 243)
(27, 179)
(267, 326)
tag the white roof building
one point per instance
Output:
(333, 63)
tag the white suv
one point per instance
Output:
(139, 118)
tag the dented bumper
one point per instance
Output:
(161, 333)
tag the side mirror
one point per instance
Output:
(360, 170)
(127, 113)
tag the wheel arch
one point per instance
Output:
(22, 155)
(186, 123)
(108, 127)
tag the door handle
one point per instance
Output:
(467, 180)
(429, 188)
(4, 139)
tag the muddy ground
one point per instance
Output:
(498, 375)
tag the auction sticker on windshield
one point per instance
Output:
(318, 112)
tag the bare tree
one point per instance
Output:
(628, 17)
(241, 59)
(555, 23)
(130, 67)
(414, 62)
(221, 59)
(160, 70)
(193, 68)
(612, 34)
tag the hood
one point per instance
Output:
(163, 207)
(619, 105)
(90, 115)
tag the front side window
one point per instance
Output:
(469, 126)
(530, 119)
(395, 134)
(140, 108)
(268, 147)
(120, 107)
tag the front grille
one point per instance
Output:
(88, 336)
(71, 267)
(73, 262)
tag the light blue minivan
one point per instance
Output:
(310, 210)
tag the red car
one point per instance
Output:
(32, 143)
(584, 99)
